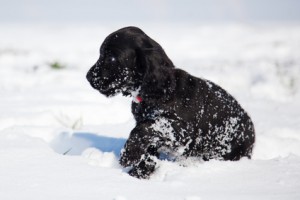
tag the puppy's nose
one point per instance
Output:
(89, 75)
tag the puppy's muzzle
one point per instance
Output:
(92, 78)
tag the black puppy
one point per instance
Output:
(176, 113)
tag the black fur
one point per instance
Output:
(179, 114)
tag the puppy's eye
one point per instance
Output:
(112, 59)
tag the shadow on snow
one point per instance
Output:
(75, 143)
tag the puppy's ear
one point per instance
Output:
(159, 79)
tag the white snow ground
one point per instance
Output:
(45, 113)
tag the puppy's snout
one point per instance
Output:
(89, 75)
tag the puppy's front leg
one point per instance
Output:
(146, 165)
(141, 151)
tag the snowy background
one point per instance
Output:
(60, 139)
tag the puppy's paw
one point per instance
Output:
(144, 169)
(138, 173)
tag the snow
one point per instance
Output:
(60, 139)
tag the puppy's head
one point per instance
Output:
(122, 65)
